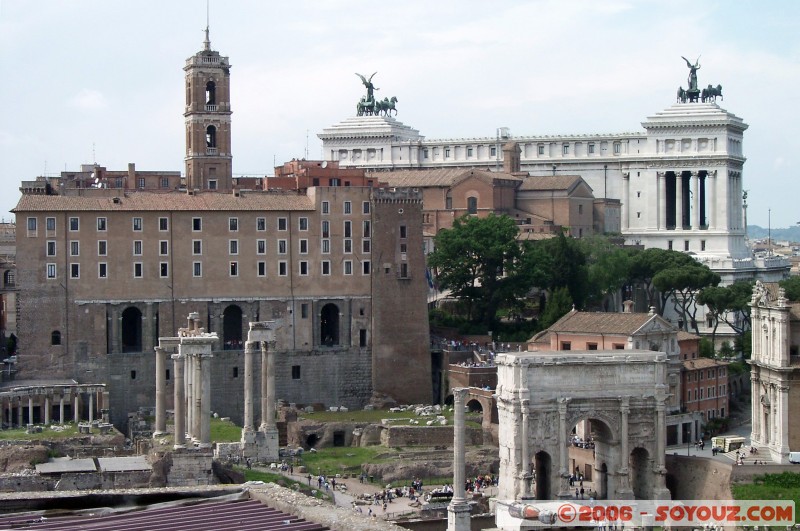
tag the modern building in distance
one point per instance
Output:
(115, 260)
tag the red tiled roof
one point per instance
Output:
(702, 363)
(440, 177)
(600, 323)
(167, 201)
(550, 182)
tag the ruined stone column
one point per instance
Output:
(189, 368)
(661, 433)
(76, 413)
(458, 511)
(19, 412)
(205, 400)
(46, 409)
(197, 414)
(624, 491)
(526, 457)
(161, 403)
(61, 409)
(91, 407)
(563, 450)
(248, 386)
(30, 409)
(267, 386)
(10, 407)
(180, 401)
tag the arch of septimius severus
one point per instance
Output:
(542, 396)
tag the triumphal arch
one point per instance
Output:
(621, 395)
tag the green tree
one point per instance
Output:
(608, 270)
(728, 304)
(566, 267)
(681, 284)
(791, 286)
(558, 304)
(478, 260)
(646, 264)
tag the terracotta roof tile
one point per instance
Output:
(702, 363)
(600, 322)
(167, 201)
(439, 177)
(550, 182)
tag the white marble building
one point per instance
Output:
(775, 371)
(679, 181)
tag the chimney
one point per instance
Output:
(627, 306)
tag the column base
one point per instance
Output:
(458, 516)
(157, 434)
(178, 446)
(661, 493)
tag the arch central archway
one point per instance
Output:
(329, 325)
(232, 328)
(131, 330)
(543, 470)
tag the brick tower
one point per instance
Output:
(208, 120)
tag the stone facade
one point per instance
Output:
(109, 270)
(775, 372)
(542, 396)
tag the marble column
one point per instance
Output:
(526, 456)
(61, 409)
(30, 409)
(458, 510)
(10, 407)
(248, 386)
(624, 492)
(695, 200)
(626, 194)
(19, 412)
(197, 414)
(267, 387)
(661, 210)
(678, 199)
(661, 434)
(76, 413)
(46, 409)
(91, 407)
(782, 420)
(711, 198)
(161, 384)
(205, 400)
(180, 400)
(189, 367)
(563, 450)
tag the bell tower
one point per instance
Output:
(208, 120)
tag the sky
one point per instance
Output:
(102, 81)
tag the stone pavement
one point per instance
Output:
(344, 498)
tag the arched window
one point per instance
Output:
(55, 337)
(232, 328)
(132, 330)
(211, 93)
(9, 279)
(472, 205)
(211, 136)
(329, 325)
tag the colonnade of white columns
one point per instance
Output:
(27, 399)
(191, 355)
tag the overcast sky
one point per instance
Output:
(102, 81)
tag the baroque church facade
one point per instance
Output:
(109, 265)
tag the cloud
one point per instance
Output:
(89, 99)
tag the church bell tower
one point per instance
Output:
(208, 120)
